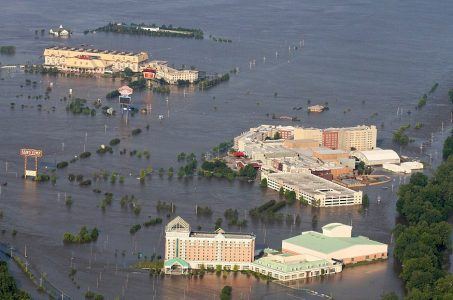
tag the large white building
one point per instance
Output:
(317, 191)
(186, 249)
(377, 157)
(336, 242)
(289, 266)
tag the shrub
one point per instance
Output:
(85, 154)
(136, 131)
(62, 164)
(114, 142)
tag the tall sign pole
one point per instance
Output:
(125, 99)
(26, 153)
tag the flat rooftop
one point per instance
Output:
(95, 51)
(312, 184)
(275, 263)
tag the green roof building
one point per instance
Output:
(336, 242)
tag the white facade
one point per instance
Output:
(405, 167)
(377, 157)
(316, 190)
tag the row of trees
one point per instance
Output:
(8, 286)
(8, 50)
(209, 83)
(164, 30)
(84, 236)
(423, 241)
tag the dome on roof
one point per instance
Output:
(337, 230)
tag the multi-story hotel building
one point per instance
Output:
(186, 249)
(348, 138)
(92, 61)
(171, 75)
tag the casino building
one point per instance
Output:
(92, 61)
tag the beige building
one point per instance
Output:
(313, 134)
(336, 242)
(360, 137)
(186, 249)
(93, 61)
(171, 75)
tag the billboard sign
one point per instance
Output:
(30, 152)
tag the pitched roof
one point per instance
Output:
(176, 260)
(317, 241)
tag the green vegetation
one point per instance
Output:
(365, 201)
(68, 201)
(135, 228)
(209, 83)
(113, 94)
(132, 203)
(181, 156)
(433, 88)
(303, 201)
(422, 101)
(136, 131)
(268, 212)
(222, 148)
(84, 236)
(90, 295)
(42, 178)
(8, 50)
(114, 142)
(78, 106)
(85, 154)
(418, 125)
(290, 197)
(153, 222)
(423, 240)
(204, 211)
(190, 167)
(40, 69)
(225, 294)
(62, 164)
(220, 39)
(248, 172)
(8, 286)
(450, 95)
(400, 137)
(217, 168)
(106, 201)
(138, 84)
(232, 216)
(163, 30)
(263, 183)
(448, 147)
(154, 266)
(104, 149)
